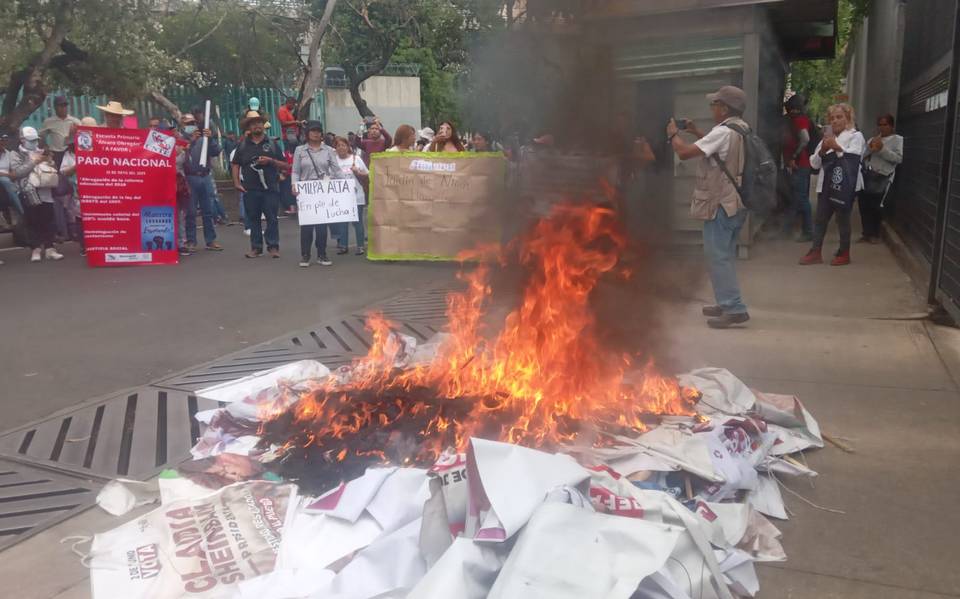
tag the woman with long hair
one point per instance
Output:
(884, 153)
(838, 157)
(446, 139)
(404, 139)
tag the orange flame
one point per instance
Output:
(542, 377)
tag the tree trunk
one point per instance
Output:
(358, 100)
(356, 79)
(30, 79)
(167, 104)
(314, 73)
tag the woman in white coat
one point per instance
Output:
(841, 142)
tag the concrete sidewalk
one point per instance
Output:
(836, 338)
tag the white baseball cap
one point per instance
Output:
(29, 133)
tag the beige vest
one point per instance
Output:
(713, 189)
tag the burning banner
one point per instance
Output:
(482, 462)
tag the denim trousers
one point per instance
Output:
(257, 203)
(359, 227)
(799, 202)
(720, 249)
(11, 188)
(202, 192)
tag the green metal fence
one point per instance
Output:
(230, 102)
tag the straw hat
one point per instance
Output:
(250, 117)
(114, 107)
(89, 121)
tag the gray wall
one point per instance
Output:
(873, 77)
(396, 100)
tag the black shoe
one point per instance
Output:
(712, 311)
(342, 251)
(726, 321)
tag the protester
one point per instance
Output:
(287, 118)
(353, 139)
(55, 130)
(353, 167)
(404, 139)
(424, 138)
(716, 200)
(313, 161)
(259, 162)
(840, 151)
(200, 180)
(481, 142)
(154, 122)
(796, 162)
(229, 143)
(375, 140)
(6, 182)
(89, 121)
(884, 153)
(113, 114)
(446, 139)
(36, 175)
(291, 140)
(68, 181)
(330, 140)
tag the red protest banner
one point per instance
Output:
(126, 179)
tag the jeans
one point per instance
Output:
(41, 225)
(871, 214)
(11, 189)
(359, 226)
(60, 217)
(259, 202)
(243, 211)
(218, 211)
(825, 211)
(306, 240)
(720, 249)
(201, 190)
(799, 203)
(287, 199)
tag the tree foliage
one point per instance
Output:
(87, 46)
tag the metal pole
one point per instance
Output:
(946, 163)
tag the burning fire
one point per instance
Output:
(542, 381)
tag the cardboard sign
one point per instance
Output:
(327, 201)
(432, 206)
(126, 180)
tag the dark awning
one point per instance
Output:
(807, 28)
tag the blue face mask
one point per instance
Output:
(31, 144)
(190, 129)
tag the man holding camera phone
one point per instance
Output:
(716, 200)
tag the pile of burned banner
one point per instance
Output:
(680, 511)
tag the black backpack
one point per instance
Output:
(759, 189)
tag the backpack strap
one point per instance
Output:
(723, 165)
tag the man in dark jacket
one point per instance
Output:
(201, 183)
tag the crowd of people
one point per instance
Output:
(38, 187)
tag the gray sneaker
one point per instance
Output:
(324, 261)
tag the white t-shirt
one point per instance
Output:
(717, 141)
(347, 164)
(852, 142)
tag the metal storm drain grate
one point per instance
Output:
(134, 435)
(423, 306)
(32, 499)
(50, 470)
